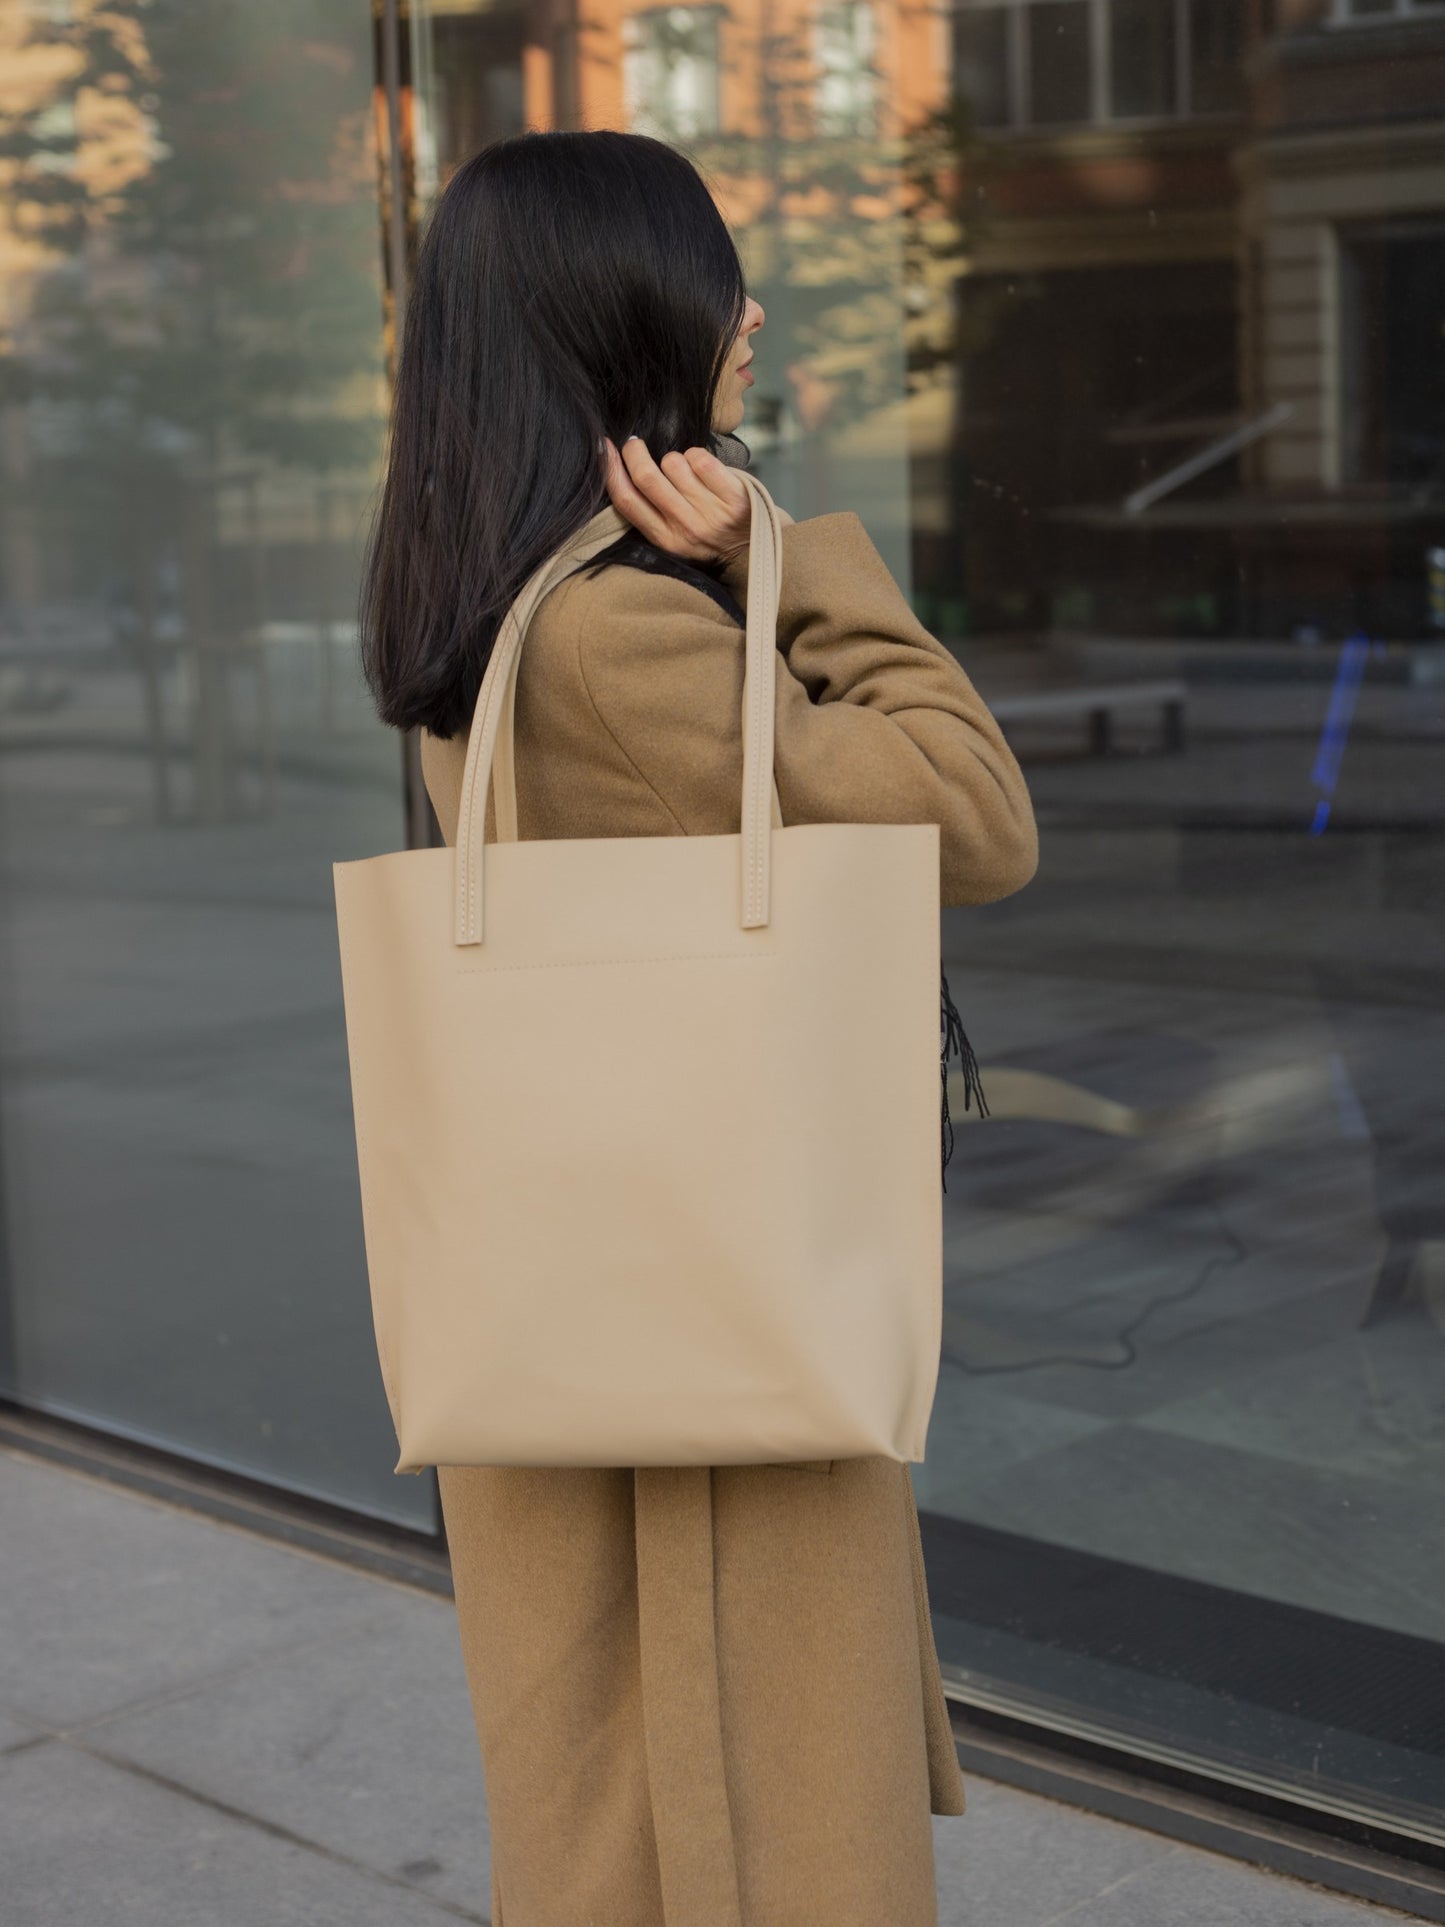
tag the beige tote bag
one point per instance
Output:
(647, 1127)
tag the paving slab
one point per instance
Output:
(16, 1732)
(363, 1745)
(116, 1597)
(94, 1845)
(1205, 1890)
(1014, 1860)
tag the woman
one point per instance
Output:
(706, 1697)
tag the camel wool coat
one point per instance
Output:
(710, 1696)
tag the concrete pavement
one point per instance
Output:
(203, 1728)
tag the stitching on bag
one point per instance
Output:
(583, 963)
(765, 765)
(759, 516)
(765, 772)
(500, 673)
(755, 855)
(468, 858)
(547, 576)
(489, 683)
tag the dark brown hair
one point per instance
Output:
(569, 286)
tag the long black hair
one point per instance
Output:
(569, 286)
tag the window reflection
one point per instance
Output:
(1393, 375)
(1189, 460)
(984, 73)
(1122, 330)
(1142, 58)
(843, 53)
(1217, 41)
(474, 82)
(1060, 61)
(1071, 62)
(1120, 323)
(191, 401)
(670, 71)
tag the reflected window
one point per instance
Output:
(981, 63)
(843, 52)
(1216, 49)
(566, 80)
(1142, 58)
(1060, 64)
(1344, 11)
(1393, 309)
(670, 72)
(1048, 63)
(475, 92)
(192, 414)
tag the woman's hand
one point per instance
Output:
(690, 504)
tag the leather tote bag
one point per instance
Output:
(647, 1127)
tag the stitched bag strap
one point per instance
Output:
(603, 528)
(765, 577)
(496, 699)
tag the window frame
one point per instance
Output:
(1018, 79)
(1341, 16)
(632, 28)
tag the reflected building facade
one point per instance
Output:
(192, 399)
(1122, 325)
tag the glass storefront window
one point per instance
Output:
(1184, 1451)
(191, 407)
(1120, 323)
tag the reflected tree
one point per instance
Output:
(853, 210)
(193, 351)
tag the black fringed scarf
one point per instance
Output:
(954, 1039)
(638, 553)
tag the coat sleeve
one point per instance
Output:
(876, 721)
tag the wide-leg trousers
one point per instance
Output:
(705, 1697)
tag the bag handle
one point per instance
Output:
(497, 697)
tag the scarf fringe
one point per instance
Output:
(955, 1042)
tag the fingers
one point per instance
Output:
(659, 488)
(629, 501)
(729, 499)
(643, 494)
(694, 492)
(689, 503)
(706, 482)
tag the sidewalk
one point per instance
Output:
(200, 1728)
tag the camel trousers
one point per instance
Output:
(705, 1696)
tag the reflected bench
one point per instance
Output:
(1098, 703)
